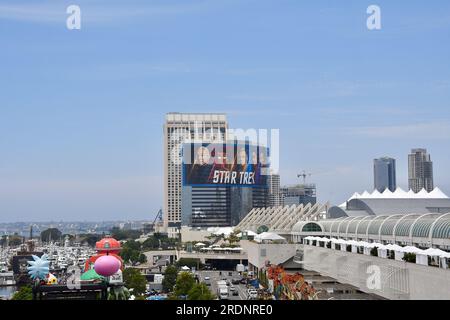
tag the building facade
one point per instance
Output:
(205, 207)
(180, 128)
(420, 170)
(275, 198)
(298, 194)
(384, 173)
(209, 199)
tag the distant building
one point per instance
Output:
(207, 202)
(298, 194)
(275, 198)
(384, 174)
(420, 171)
(179, 128)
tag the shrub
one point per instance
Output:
(409, 257)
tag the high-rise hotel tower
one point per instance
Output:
(181, 128)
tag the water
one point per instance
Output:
(7, 292)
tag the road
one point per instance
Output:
(215, 276)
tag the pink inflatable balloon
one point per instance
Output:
(106, 266)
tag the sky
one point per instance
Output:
(81, 111)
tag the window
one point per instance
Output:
(311, 227)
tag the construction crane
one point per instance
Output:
(159, 216)
(304, 175)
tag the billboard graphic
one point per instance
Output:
(225, 164)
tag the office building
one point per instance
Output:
(420, 170)
(384, 174)
(210, 196)
(275, 199)
(178, 129)
(298, 194)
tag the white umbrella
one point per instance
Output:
(200, 244)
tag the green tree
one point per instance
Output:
(185, 282)
(233, 237)
(374, 252)
(200, 291)
(150, 243)
(51, 234)
(120, 234)
(409, 257)
(131, 251)
(24, 293)
(170, 278)
(142, 258)
(134, 245)
(133, 279)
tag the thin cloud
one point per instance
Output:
(431, 130)
(55, 12)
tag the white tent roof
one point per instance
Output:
(394, 247)
(226, 231)
(200, 244)
(410, 249)
(436, 253)
(268, 236)
(399, 193)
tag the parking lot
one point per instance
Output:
(215, 276)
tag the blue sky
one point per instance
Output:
(81, 112)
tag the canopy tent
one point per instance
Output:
(269, 236)
(421, 255)
(200, 244)
(225, 231)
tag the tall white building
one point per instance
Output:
(182, 128)
(275, 198)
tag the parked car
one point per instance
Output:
(235, 281)
(235, 293)
(207, 278)
(232, 288)
(230, 273)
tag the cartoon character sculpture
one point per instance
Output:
(105, 247)
(39, 268)
(51, 279)
(119, 293)
(108, 265)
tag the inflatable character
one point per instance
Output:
(39, 268)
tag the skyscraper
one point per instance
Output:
(208, 201)
(273, 180)
(178, 129)
(420, 170)
(384, 174)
